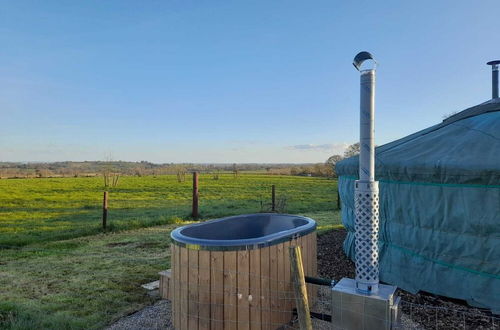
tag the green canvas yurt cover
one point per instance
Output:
(439, 207)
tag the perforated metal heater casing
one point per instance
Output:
(367, 222)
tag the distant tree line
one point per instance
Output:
(326, 169)
(351, 150)
(142, 168)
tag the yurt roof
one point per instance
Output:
(463, 149)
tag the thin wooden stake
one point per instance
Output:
(338, 199)
(299, 286)
(195, 195)
(105, 210)
(273, 198)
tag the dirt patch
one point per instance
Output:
(117, 244)
(149, 245)
(136, 245)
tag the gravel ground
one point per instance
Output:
(154, 317)
(420, 311)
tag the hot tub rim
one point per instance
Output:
(242, 244)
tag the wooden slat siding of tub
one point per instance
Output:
(173, 255)
(215, 281)
(306, 259)
(172, 287)
(183, 288)
(298, 242)
(310, 266)
(204, 305)
(217, 290)
(281, 284)
(243, 290)
(273, 278)
(193, 289)
(313, 265)
(174, 259)
(310, 287)
(288, 291)
(265, 286)
(312, 262)
(255, 293)
(305, 255)
(230, 288)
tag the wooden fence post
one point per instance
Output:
(338, 199)
(105, 210)
(299, 286)
(273, 198)
(195, 195)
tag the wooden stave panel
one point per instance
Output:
(314, 264)
(273, 284)
(230, 287)
(204, 301)
(315, 253)
(255, 289)
(174, 259)
(289, 303)
(183, 288)
(193, 289)
(306, 261)
(265, 287)
(243, 290)
(302, 240)
(280, 294)
(308, 245)
(217, 290)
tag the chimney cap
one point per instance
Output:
(493, 62)
(360, 58)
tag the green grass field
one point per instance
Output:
(64, 274)
(34, 210)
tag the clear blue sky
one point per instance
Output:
(230, 81)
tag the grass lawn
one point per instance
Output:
(59, 271)
(88, 282)
(36, 210)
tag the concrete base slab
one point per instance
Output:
(151, 286)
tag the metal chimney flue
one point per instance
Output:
(366, 188)
(495, 67)
(364, 294)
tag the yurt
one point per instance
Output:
(439, 207)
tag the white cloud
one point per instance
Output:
(327, 147)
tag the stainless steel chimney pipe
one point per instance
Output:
(495, 67)
(366, 196)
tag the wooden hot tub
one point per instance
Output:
(234, 273)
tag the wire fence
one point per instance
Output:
(33, 213)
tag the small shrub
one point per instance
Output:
(181, 174)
